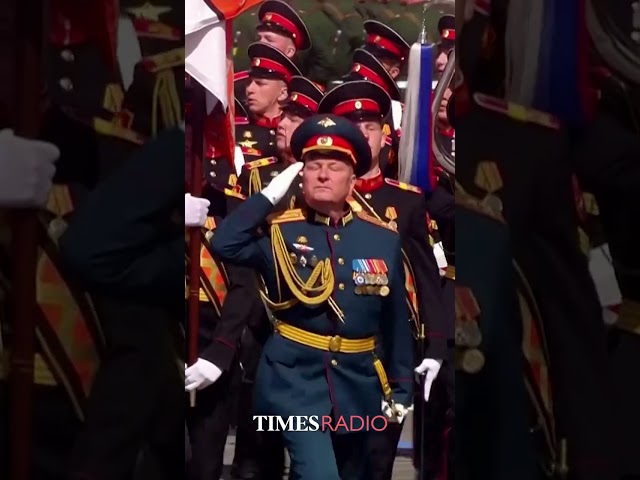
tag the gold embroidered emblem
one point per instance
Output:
(326, 122)
(325, 141)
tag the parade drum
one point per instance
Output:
(615, 29)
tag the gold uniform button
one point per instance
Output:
(367, 196)
(272, 132)
(213, 174)
(341, 261)
(213, 162)
(336, 237)
(66, 84)
(67, 55)
(341, 286)
(334, 362)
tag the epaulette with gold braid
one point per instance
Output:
(376, 221)
(261, 162)
(232, 192)
(403, 186)
(293, 215)
(517, 112)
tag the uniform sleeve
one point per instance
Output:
(236, 239)
(241, 303)
(397, 338)
(428, 283)
(122, 238)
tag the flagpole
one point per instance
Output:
(24, 245)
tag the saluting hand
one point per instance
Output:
(429, 367)
(26, 170)
(195, 210)
(279, 186)
(200, 375)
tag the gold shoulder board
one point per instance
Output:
(293, 215)
(261, 162)
(517, 112)
(368, 218)
(402, 185)
(233, 193)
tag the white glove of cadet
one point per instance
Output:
(195, 210)
(26, 170)
(279, 186)
(429, 367)
(200, 375)
(395, 412)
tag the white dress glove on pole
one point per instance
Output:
(429, 367)
(279, 186)
(26, 170)
(195, 210)
(200, 375)
(395, 412)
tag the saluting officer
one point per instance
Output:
(402, 206)
(341, 287)
(254, 450)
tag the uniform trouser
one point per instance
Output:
(624, 350)
(327, 455)
(136, 406)
(433, 427)
(383, 447)
(55, 427)
(261, 453)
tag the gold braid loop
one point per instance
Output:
(255, 182)
(300, 289)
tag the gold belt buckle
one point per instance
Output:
(335, 343)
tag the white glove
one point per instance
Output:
(26, 170)
(279, 186)
(395, 412)
(200, 375)
(429, 367)
(195, 210)
(441, 258)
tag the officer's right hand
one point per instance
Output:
(26, 170)
(279, 186)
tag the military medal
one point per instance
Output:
(303, 261)
(370, 276)
(209, 224)
(208, 235)
(293, 257)
(470, 361)
(313, 261)
(56, 228)
(59, 203)
(391, 214)
(488, 178)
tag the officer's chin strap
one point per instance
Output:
(300, 289)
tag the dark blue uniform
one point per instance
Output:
(294, 377)
(492, 408)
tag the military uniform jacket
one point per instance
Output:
(492, 408)
(518, 158)
(127, 238)
(294, 379)
(404, 206)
